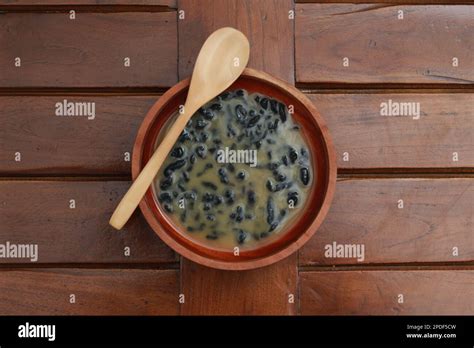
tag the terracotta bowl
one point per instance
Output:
(297, 232)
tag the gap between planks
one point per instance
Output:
(314, 89)
(383, 88)
(82, 91)
(343, 174)
(409, 266)
(391, 2)
(141, 265)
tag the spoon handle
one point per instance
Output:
(135, 193)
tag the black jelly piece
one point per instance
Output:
(304, 175)
(279, 176)
(201, 124)
(231, 131)
(166, 182)
(210, 217)
(292, 197)
(284, 160)
(224, 95)
(270, 187)
(173, 166)
(177, 152)
(165, 197)
(272, 165)
(217, 199)
(216, 106)
(293, 155)
(241, 175)
(253, 121)
(241, 236)
(270, 211)
(251, 197)
(239, 93)
(209, 184)
(274, 106)
(212, 236)
(186, 176)
(273, 226)
(190, 195)
(203, 137)
(264, 103)
(240, 113)
(223, 176)
(207, 114)
(201, 151)
(282, 112)
(168, 207)
(184, 136)
(181, 187)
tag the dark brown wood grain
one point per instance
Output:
(431, 292)
(373, 141)
(97, 292)
(264, 291)
(88, 51)
(380, 47)
(69, 145)
(437, 216)
(271, 36)
(265, 23)
(408, 251)
(38, 212)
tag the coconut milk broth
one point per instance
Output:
(217, 200)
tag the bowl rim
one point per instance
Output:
(150, 217)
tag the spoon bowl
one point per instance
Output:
(222, 59)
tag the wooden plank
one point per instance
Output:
(370, 140)
(89, 51)
(404, 2)
(382, 48)
(271, 35)
(265, 23)
(437, 216)
(39, 212)
(265, 291)
(96, 292)
(50, 144)
(378, 292)
(165, 3)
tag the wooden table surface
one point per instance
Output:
(405, 187)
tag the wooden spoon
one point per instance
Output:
(220, 62)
